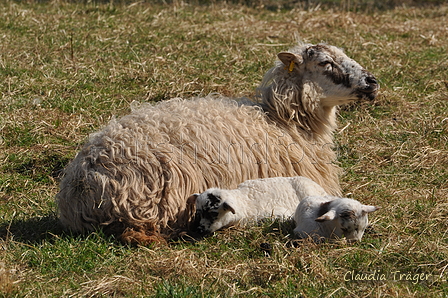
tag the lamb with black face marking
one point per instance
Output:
(252, 200)
(331, 217)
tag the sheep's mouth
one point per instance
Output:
(368, 93)
(196, 231)
(370, 89)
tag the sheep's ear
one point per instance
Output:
(330, 215)
(368, 209)
(290, 59)
(192, 199)
(226, 207)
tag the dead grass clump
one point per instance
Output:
(170, 263)
(7, 285)
(114, 286)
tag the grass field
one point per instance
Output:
(67, 68)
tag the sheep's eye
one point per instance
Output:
(324, 63)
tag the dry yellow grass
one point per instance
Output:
(67, 68)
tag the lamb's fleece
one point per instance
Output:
(250, 201)
(326, 217)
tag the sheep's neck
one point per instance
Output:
(317, 128)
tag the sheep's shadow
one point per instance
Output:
(33, 230)
(45, 228)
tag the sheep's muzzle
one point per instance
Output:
(370, 88)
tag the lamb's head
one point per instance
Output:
(327, 71)
(213, 211)
(347, 217)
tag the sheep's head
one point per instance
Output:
(212, 211)
(348, 217)
(325, 69)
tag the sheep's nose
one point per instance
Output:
(368, 87)
(371, 84)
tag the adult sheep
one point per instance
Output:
(134, 176)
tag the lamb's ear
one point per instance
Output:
(330, 215)
(226, 207)
(368, 209)
(290, 59)
(192, 199)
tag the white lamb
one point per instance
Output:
(252, 200)
(331, 217)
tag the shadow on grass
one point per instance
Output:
(34, 230)
(48, 228)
